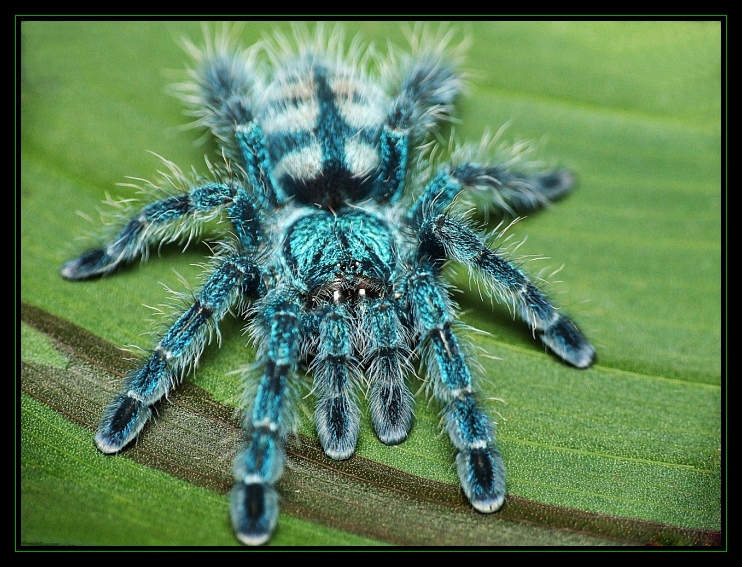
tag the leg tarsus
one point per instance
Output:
(391, 412)
(122, 421)
(88, 265)
(338, 426)
(482, 476)
(254, 511)
(523, 194)
(567, 341)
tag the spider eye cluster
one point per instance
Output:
(347, 291)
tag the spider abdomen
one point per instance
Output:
(322, 124)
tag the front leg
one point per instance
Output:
(386, 360)
(480, 468)
(259, 466)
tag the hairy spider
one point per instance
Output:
(330, 257)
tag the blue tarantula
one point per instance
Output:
(334, 263)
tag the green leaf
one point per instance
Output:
(627, 452)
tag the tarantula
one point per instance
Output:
(334, 262)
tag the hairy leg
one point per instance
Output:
(178, 348)
(258, 467)
(168, 220)
(480, 468)
(444, 235)
(334, 370)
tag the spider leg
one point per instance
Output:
(442, 236)
(334, 370)
(425, 98)
(386, 357)
(178, 348)
(253, 146)
(480, 468)
(220, 97)
(394, 150)
(501, 187)
(168, 220)
(255, 505)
